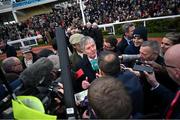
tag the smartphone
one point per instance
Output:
(142, 68)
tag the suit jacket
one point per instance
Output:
(121, 46)
(134, 88)
(88, 71)
(166, 97)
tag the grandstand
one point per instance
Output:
(35, 16)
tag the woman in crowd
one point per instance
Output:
(169, 40)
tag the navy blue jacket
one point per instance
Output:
(134, 88)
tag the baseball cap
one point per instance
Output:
(75, 38)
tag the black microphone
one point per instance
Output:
(36, 73)
(129, 58)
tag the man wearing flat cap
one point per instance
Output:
(78, 53)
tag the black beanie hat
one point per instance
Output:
(140, 32)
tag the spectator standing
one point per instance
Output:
(9, 50)
(128, 30)
(169, 40)
(172, 100)
(109, 99)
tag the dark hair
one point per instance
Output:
(109, 62)
(109, 99)
(173, 37)
(112, 40)
(45, 53)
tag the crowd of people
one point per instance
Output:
(99, 11)
(134, 78)
(145, 86)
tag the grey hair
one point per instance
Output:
(174, 37)
(55, 60)
(8, 64)
(84, 41)
(126, 26)
(153, 44)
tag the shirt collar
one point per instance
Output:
(92, 59)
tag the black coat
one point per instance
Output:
(121, 46)
(88, 71)
(166, 97)
(10, 51)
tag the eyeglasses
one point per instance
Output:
(170, 66)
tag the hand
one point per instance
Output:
(156, 66)
(60, 88)
(85, 83)
(85, 115)
(137, 73)
(151, 79)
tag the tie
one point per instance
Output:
(173, 104)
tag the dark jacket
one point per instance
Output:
(74, 59)
(10, 51)
(134, 88)
(98, 38)
(166, 97)
(121, 46)
(131, 50)
(88, 71)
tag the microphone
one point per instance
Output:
(36, 73)
(129, 58)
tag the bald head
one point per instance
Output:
(109, 63)
(172, 57)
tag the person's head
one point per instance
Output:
(128, 29)
(2, 43)
(109, 99)
(139, 36)
(169, 40)
(75, 41)
(45, 53)
(88, 25)
(172, 63)
(55, 60)
(12, 65)
(88, 46)
(109, 63)
(94, 25)
(110, 43)
(149, 50)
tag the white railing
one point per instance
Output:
(133, 21)
(30, 41)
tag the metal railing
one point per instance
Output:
(133, 21)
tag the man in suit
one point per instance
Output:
(88, 65)
(109, 64)
(128, 30)
(77, 55)
(171, 100)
